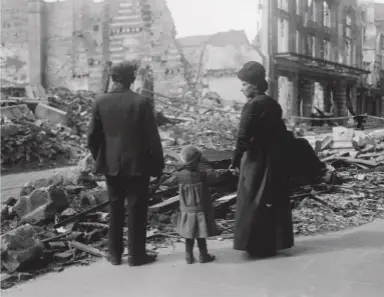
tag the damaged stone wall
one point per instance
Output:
(70, 47)
(74, 47)
(14, 43)
(73, 44)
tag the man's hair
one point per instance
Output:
(124, 72)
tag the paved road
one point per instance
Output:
(345, 264)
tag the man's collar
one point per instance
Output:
(118, 88)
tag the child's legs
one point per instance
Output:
(202, 244)
(189, 243)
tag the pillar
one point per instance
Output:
(327, 93)
(35, 41)
(294, 84)
(269, 43)
(106, 56)
(306, 93)
(382, 106)
(340, 99)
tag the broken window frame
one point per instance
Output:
(282, 40)
(283, 5)
(298, 41)
(326, 50)
(311, 46)
(299, 7)
(327, 18)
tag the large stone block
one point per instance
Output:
(53, 115)
(16, 112)
(41, 205)
(20, 247)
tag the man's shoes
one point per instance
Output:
(138, 261)
(114, 260)
(206, 258)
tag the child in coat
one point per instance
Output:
(196, 219)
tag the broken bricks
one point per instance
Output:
(41, 205)
(19, 248)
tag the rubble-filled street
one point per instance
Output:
(62, 220)
(162, 133)
(343, 264)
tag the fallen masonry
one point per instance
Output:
(63, 220)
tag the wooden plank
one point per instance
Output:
(81, 215)
(227, 198)
(168, 204)
(86, 248)
(357, 161)
(23, 100)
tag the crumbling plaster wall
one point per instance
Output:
(73, 41)
(71, 46)
(14, 42)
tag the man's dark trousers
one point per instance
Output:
(135, 190)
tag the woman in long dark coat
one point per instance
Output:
(263, 221)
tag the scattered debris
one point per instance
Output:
(20, 248)
(346, 187)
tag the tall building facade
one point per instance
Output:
(314, 50)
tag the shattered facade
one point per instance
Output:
(68, 43)
(314, 50)
(372, 89)
(215, 60)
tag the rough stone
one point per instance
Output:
(41, 205)
(17, 112)
(69, 212)
(20, 247)
(24, 276)
(63, 256)
(10, 201)
(96, 196)
(53, 115)
(68, 177)
(9, 130)
(85, 165)
(5, 213)
(57, 245)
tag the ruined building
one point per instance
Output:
(314, 49)
(372, 88)
(68, 43)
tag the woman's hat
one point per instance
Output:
(253, 73)
(190, 154)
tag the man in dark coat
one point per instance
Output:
(263, 221)
(124, 140)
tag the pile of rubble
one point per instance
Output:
(24, 141)
(206, 123)
(77, 105)
(63, 220)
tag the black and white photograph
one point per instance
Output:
(183, 148)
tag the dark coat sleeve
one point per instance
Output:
(95, 131)
(154, 141)
(247, 129)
